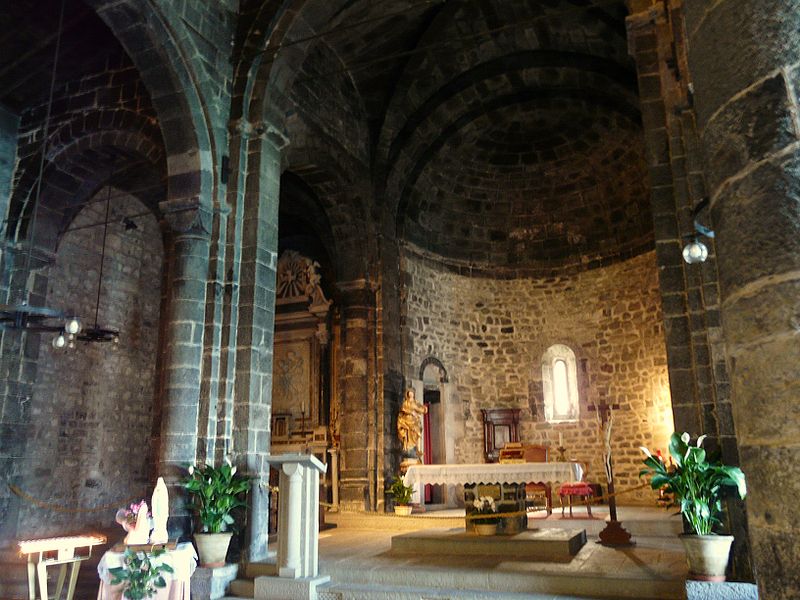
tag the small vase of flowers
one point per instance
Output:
(127, 516)
(484, 515)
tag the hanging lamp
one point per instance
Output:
(23, 316)
(95, 333)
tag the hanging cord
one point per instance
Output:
(63, 509)
(45, 144)
(103, 251)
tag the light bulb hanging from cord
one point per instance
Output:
(695, 251)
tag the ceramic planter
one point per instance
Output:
(707, 555)
(212, 548)
(486, 528)
(402, 509)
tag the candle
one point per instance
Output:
(560, 439)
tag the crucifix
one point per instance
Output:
(614, 534)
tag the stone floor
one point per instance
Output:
(358, 554)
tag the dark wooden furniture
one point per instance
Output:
(500, 426)
(535, 492)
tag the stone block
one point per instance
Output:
(212, 583)
(728, 590)
(757, 221)
(749, 129)
(278, 588)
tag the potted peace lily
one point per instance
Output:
(214, 493)
(402, 496)
(140, 574)
(696, 483)
(484, 506)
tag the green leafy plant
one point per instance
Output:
(140, 574)
(696, 481)
(215, 492)
(401, 492)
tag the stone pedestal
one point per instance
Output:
(212, 583)
(298, 530)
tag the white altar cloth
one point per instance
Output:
(418, 476)
(183, 560)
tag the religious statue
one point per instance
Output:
(409, 428)
(160, 513)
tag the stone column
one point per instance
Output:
(290, 565)
(255, 327)
(744, 62)
(183, 346)
(356, 303)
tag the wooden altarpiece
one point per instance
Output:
(299, 407)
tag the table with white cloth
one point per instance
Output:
(182, 559)
(510, 477)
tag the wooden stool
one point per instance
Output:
(580, 489)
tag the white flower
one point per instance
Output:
(700, 440)
(685, 437)
(191, 469)
(646, 451)
(228, 461)
(233, 471)
(477, 503)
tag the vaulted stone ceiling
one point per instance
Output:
(503, 134)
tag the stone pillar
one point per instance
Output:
(744, 62)
(356, 303)
(255, 328)
(334, 452)
(183, 346)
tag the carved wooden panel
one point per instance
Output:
(500, 426)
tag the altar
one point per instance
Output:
(510, 479)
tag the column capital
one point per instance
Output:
(262, 129)
(187, 216)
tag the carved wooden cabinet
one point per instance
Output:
(500, 426)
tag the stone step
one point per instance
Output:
(471, 583)
(664, 525)
(334, 591)
(242, 588)
(253, 570)
(550, 545)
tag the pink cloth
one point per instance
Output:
(575, 489)
(175, 590)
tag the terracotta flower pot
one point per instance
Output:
(402, 509)
(707, 555)
(212, 548)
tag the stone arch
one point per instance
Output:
(340, 197)
(76, 166)
(150, 41)
(432, 361)
(130, 134)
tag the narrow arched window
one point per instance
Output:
(560, 384)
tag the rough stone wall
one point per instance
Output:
(699, 376)
(491, 334)
(8, 156)
(91, 410)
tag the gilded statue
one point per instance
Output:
(409, 426)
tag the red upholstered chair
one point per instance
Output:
(581, 489)
(534, 491)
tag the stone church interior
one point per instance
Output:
(474, 261)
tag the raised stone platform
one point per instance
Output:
(547, 545)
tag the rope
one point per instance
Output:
(596, 499)
(59, 508)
